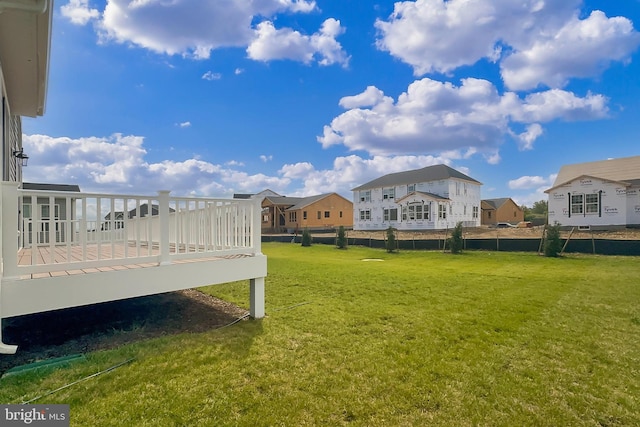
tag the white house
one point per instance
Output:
(431, 198)
(61, 248)
(601, 194)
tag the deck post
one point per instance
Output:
(163, 212)
(9, 229)
(256, 226)
(256, 296)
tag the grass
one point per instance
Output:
(422, 338)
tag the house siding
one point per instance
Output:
(616, 203)
(458, 197)
(509, 212)
(339, 209)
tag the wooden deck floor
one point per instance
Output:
(60, 254)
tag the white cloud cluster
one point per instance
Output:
(117, 164)
(270, 43)
(194, 28)
(535, 42)
(210, 75)
(79, 12)
(439, 116)
(536, 183)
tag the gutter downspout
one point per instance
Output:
(38, 6)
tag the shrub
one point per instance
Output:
(390, 243)
(306, 237)
(456, 241)
(552, 243)
(341, 239)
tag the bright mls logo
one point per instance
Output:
(36, 415)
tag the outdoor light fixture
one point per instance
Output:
(19, 154)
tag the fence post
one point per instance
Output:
(163, 213)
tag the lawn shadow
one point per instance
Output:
(112, 324)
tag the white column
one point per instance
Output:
(256, 297)
(256, 226)
(8, 249)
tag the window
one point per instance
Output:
(388, 193)
(474, 213)
(26, 211)
(365, 196)
(457, 188)
(340, 214)
(465, 188)
(465, 210)
(576, 203)
(365, 214)
(411, 188)
(304, 215)
(293, 216)
(415, 211)
(45, 211)
(450, 209)
(489, 214)
(442, 211)
(265, 218)
(390, 214)
(591, 203)
(319, 215)
(327, 214)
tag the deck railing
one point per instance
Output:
(90, 230)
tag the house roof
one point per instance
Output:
(295, 203)
(430, 173)
(144, 210)
(624, 169)
(50, 187)
(25, 40)
(496, 203)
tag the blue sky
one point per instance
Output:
(212, 98)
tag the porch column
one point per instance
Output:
(10, 227)
(256, 226)
(163, 213)
(256, 297)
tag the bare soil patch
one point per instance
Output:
(110, 325)
(485, 232)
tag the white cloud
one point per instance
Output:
(193, 28)
(210, 75)
(184, 124)
(78, 12)
(271, 43)
(238, 71)
(536, 42)
(582, 48)
(434, 116)
(117, 164)
(266, 158)
(527, 138)
(527, 182)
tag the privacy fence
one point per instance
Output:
(586, 246)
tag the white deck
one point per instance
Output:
(100, 247)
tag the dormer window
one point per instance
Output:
(411, 188)
(388, 193)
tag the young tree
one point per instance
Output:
(553, 244)
(390, 243)
(306, 237)
(341, 239)
(456, 241)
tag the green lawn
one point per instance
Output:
(421, 338)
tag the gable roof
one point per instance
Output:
(50, 187)
(430, 173)
(624, 169)
(423, 195)
(496, 203)
(295, 203)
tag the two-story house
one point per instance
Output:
(431, 198)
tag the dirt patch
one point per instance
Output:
(110, 325)
(485, 232)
